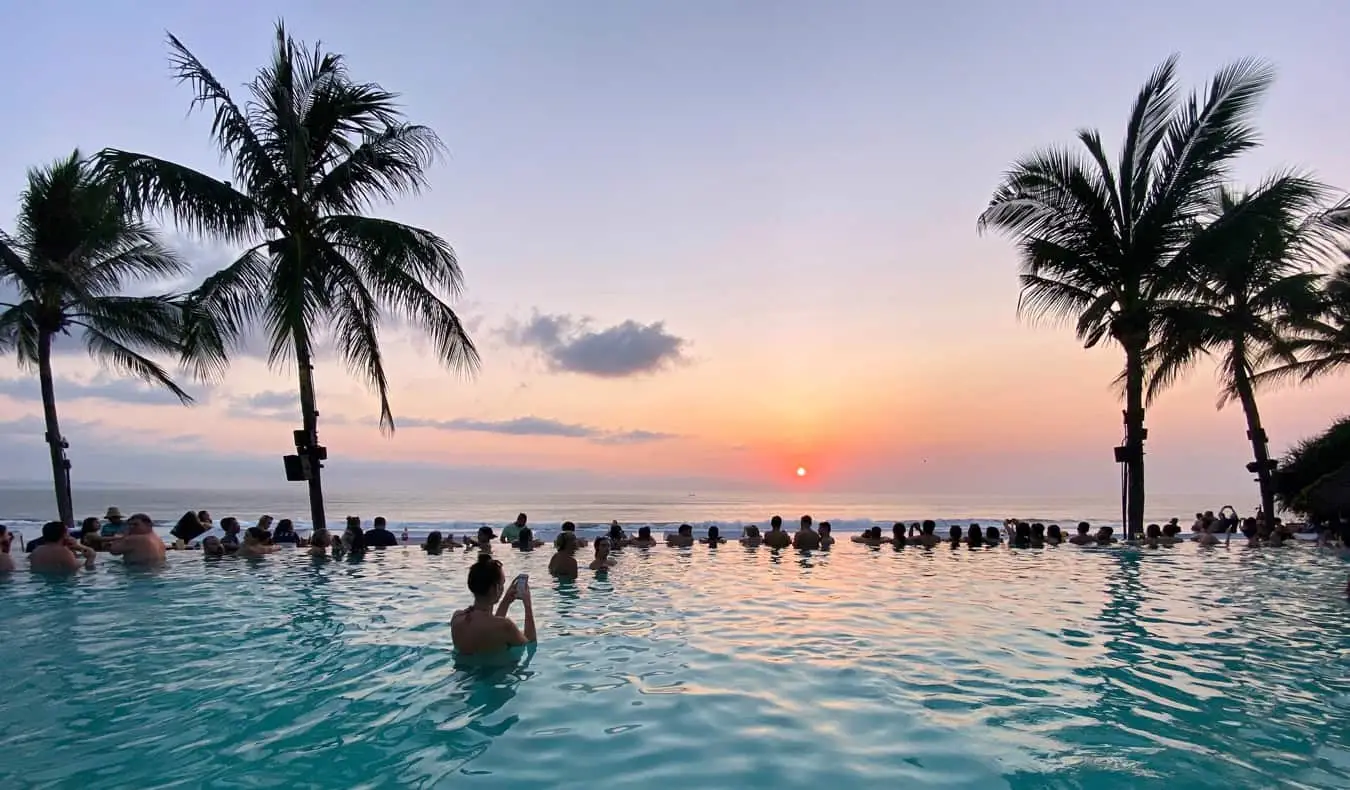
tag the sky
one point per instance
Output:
(703, 241)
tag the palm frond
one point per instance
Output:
(19, 332)
(109, 350)
(193, 200)
(217, 314)
(387, 164)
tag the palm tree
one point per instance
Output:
(1102, 245)
(310, 151)
(74, 249)
(1255, 287)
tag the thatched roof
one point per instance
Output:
(1330, 495)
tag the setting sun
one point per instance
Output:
(801, 471)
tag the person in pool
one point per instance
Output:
(898, 537)
(683, 538)
(714, 537)
(776, 538)
(526, 541)
(114, 524)
(319, 543)
(617, 537)
(602, 561)
(484, 540)
(806, 538)
(140, 545)
(1105, 536)
(255, 545)
(992, 537)
(511, 532)
(188, 528)
(974, 537)
(954, 536)
(568, 526)
(1053, 535)
(563, 563)
(90, 533)
(928, 537)
(478, 629)
(433, 542)
(6, 541)
(285, 533)
(230, 540)
(1083, 538)
(826, 539)
(644, 539)
(750, 536)
(870, 537)
(58, 551)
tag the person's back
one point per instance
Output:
(684, 538)
(379, 536)
(644, 539)
(928, 537)
(56, 552)
(776, 538)
(140, 545)
(564, 562)
(1082, 538)
(806, 538)
(478, 629)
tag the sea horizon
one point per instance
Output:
(422, 509)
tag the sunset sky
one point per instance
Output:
(702, 240)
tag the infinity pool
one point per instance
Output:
(729, 668)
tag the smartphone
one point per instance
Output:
(521, 581)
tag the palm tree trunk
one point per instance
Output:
(1265, 477)
(60, 469)
(310, 415)
(1134, 439)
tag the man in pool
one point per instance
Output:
(140, 545)
(114, 524)
(511, 532)
(57, 551)
(806, 537)
(379, 536)
(776, 538)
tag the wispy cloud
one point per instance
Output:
(101, 387)
(538, 426)
(569, 344)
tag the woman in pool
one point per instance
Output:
(433, 543)
(750, 536)
(1152, 536)
(992, 537)
(1053, 536)
(484, 540)
(1037, 535)
(898, 537)
(602, 562)
(1105, 536)
(255, 544)
(954, 536)
(825, 532)
(617, 537)
(478, 629)
(644, 539)
(974, 537)
(563, 563)
(714, 537)
(188, 528)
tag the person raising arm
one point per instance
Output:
(478, 629)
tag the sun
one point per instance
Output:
(801, 471)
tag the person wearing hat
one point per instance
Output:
(113, 523)
(484, 540)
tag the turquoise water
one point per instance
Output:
(1062, 668)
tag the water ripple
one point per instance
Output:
(728, 668)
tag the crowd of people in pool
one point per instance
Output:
(485, 627)
(135, 540)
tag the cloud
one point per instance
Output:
(569, 345)
(101, 387)
(537, 426)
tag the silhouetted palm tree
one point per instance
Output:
(310, 152)
(1101, 244)
(1254, 289)
(74, 249)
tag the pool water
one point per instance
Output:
(726, 668)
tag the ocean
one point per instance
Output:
(461, 511)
